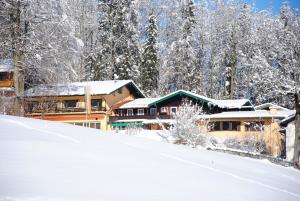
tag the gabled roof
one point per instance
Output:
(6, 65)
(139, 103)
(237, 103)
(78, 88)
(266, 106)
(182, 92)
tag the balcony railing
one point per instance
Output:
(64, 110)
(116, 118)
(98, 109)
(6, 83)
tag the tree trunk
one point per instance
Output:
(18, 55)
(297, 132)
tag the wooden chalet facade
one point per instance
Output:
(85, 103)
(145, 111)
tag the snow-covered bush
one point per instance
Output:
(186, 128)
(249, 143)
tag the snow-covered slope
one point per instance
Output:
(43, 160)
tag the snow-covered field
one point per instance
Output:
(48, 161)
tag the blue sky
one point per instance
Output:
(274, 4)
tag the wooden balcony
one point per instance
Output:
(98, 109)
(58, 110)
(6, 83)
(116, 118)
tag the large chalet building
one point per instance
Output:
(146, 111)
(83, 103)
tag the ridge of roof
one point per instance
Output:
(190, 94)
(78, 88)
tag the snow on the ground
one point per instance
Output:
(43, 160)
(148, 134)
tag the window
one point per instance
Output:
(121, 112)
(78, 124)
(129, 112)
(254, 126)
(96, 103)
(70, 103)
(3, 76)
(153, 111)
(173, 110)
(225, 126)
(140, 112)
(95, 125)
(235, 126)
(215, 126)
(164, 109)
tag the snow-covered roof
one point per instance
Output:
(139, 103)
(249, 114)
(266, 106)
(237, 103)
(6, 65)
(182, 92)
(78, 88)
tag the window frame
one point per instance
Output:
(75, 100)
(131, 112)
(172, 111)
(138, 112)
(164, 109)
(153, 113)
(4, 76)
(96, 99)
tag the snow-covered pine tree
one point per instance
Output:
(118, 55)
(99, 63)
(125, 44)
(181, 61)
(150, 62)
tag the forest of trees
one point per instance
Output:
(220, 49)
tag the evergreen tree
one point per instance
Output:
(117, 55)
(150, 62)
(181, 61)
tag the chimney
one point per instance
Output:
(273, 110)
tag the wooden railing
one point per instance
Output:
(116, 118)
(6, 83)
(64, 110)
